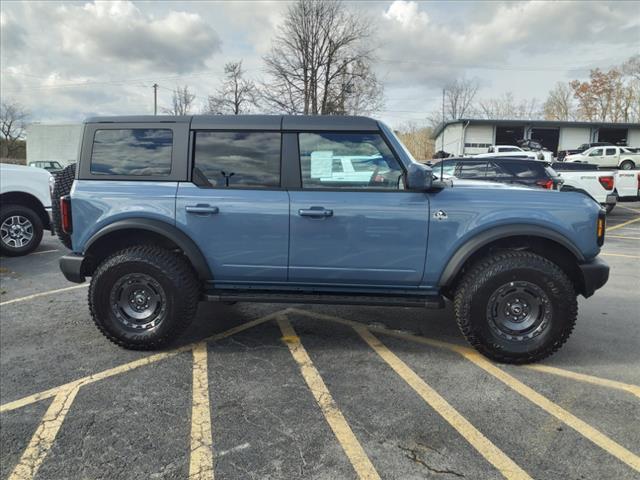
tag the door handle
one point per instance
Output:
(202, 208)
(315, 212)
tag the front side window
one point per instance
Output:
(596, 153)
(348, 160)
(239, 159)
(132, 151)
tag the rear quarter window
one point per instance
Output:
(132, 151)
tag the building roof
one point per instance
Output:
(533, 123)
(253, 122)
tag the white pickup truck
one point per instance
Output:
(513, 151)
(610, 157)
(25, 208)
(604, 186)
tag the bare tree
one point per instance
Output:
(319, 62)
(182, 101)
(459, 97)
(13, 124)
(506, 106)
(236, 95)
(559, 104)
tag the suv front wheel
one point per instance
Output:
(516, 307)
(143, 297)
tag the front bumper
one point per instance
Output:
(594, 275)
(71, 266)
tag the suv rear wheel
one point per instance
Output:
(516, 307)
(20, 230)
(143, 297)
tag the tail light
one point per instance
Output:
(601, 227)
(606, 182)
(639, 181)
(65, 214)
(548, 184)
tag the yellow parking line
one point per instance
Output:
(352, 448)
(623, 236)
(129, 366)
(541, 401)
(507, 467)
(619, 255)
(42, 294)
(560, 413)
(620, 225)
(581, 377)
(44, 435)
(201, 464)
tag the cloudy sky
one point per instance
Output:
(65, 61)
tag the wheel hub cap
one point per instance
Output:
(16, 231)
(519, 310)
(138, 301)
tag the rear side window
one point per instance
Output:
(471, 169)
(610, 151)
(239, 159)
(132, 151)
(524, 169)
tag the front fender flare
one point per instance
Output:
(464, 252)
(167, 230)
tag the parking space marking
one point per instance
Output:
(507, 467)
(619, 255)
(44, 436)
(36, 397)
(201, 463)
(347, 439)
(42, 294)
(620, 225)
(627, 208)
(580, 426)
(45, 251)
(624, 237)
(581, 377)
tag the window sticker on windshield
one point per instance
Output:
(321, 161)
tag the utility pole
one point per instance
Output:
(443, 126)
(155, 98)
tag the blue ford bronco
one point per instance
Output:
(164, 212)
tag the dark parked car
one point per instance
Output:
(502, 169)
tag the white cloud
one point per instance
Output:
(118, 31)
(407, 15)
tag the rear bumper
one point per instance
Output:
(594, 275)
(611, 199)
(71, 266)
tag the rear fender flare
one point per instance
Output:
(171, 232)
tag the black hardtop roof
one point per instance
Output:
(253, 122)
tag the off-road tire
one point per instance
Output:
(14, 210)
(171, 272)
(627, 165)
(472, 301)
(62, 186)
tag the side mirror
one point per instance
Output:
(419, 177)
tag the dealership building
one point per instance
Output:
(473, 136)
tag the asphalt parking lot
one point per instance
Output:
(276, 391)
